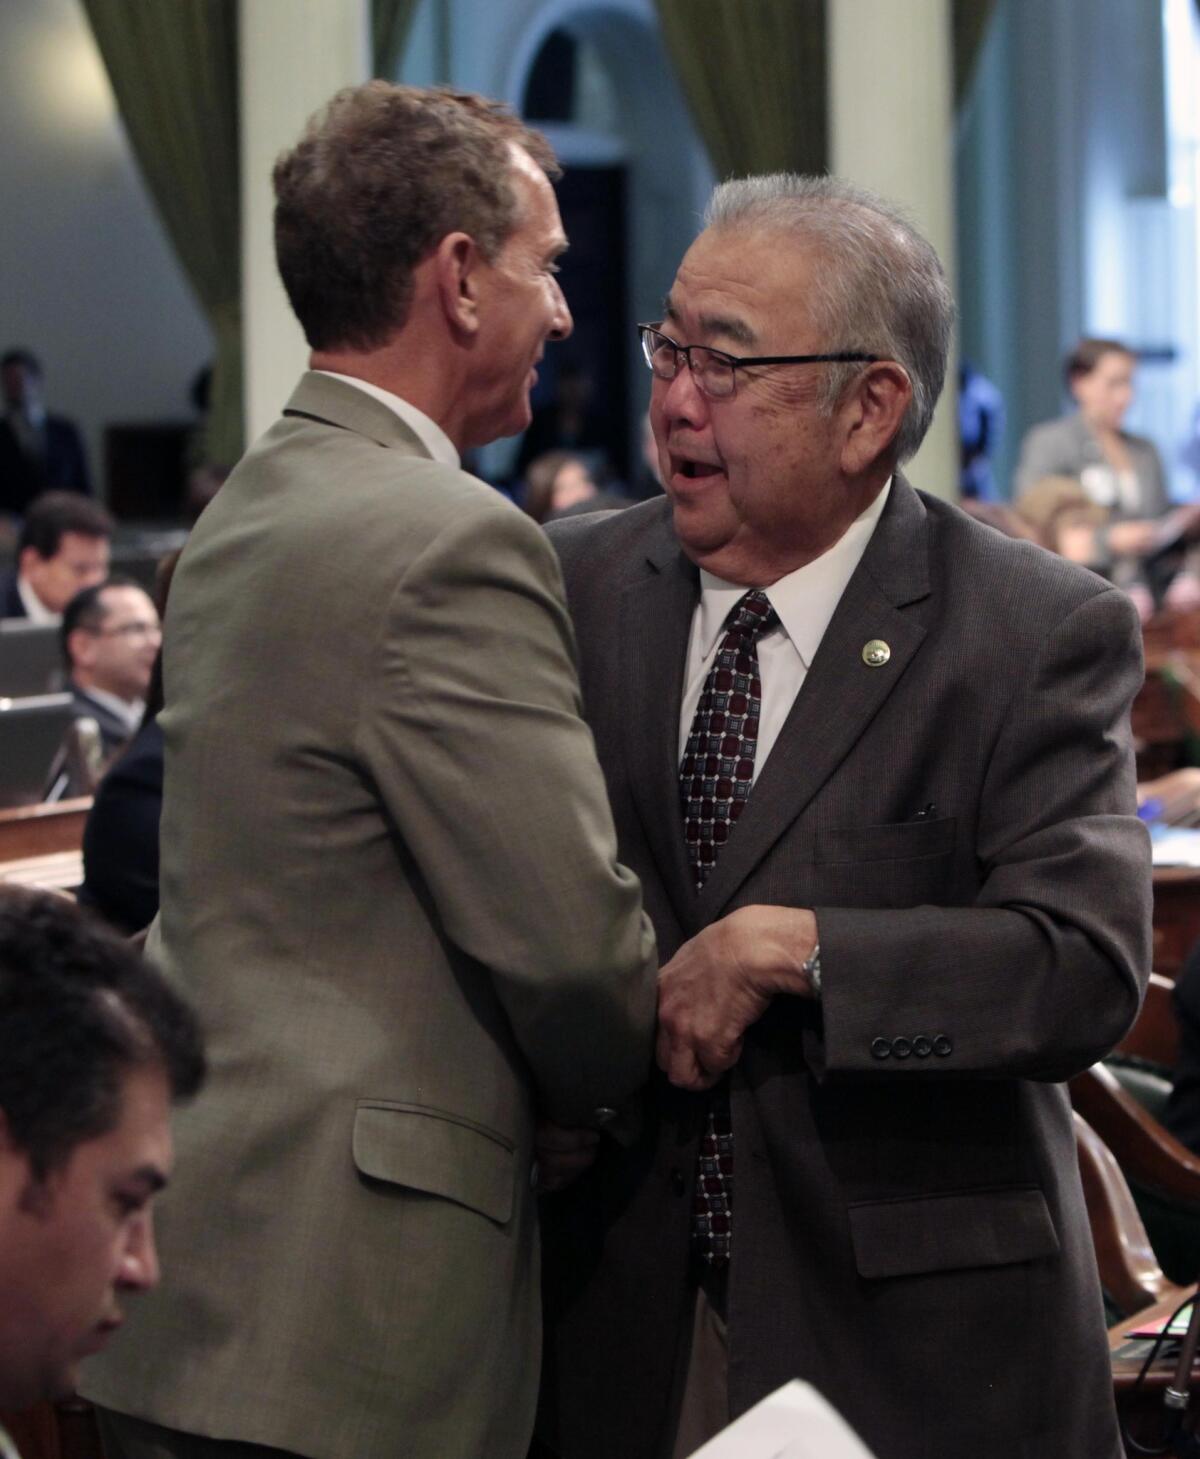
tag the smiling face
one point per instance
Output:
(522, 307)
(758, 482)
(74, 1244)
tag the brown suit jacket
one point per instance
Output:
(909, 1232)
(389, 883)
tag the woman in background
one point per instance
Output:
(1141, 548)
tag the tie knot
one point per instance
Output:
(752, 614)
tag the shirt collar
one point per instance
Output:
(805, 599)
(428, 432)
(128, 711)
(35, 610)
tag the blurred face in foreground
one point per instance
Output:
(74, 1243)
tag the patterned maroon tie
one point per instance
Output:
(714, 784)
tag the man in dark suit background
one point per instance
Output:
(63, 547)
(871, 762)
(110, 639)
(38, 451)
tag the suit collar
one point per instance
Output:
(840, 696)
(319, 396)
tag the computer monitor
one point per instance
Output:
(32, 732)
(30, 658)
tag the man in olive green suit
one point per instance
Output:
(388, 864)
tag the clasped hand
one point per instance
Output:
(709, 994)
(721, 982)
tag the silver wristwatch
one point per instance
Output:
(812, 966)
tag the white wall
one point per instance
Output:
(87, 278)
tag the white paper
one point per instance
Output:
(795, 1422)
(1175, 846)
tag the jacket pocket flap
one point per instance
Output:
(943, 1233)
(435, 1152)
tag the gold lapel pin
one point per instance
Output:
(876, 653)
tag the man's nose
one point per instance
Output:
(683, 401)
(139, 1268)
(562, 323)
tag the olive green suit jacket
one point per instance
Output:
(389, 882)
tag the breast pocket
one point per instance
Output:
(900, 864)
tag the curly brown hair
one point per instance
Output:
(381, 175)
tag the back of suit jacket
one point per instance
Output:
(389, 881)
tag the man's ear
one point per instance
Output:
(29, 557)
(18, 1189)
(457, 264)
(873, 413)
(80, 647)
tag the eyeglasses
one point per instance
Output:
(136, 629)
(714, 371)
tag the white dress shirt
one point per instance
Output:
(805, 601)
(128, 711)
(427, 431)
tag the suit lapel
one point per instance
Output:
(841, 693)
(656, 615)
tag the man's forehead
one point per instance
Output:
(735, 284)
(127, 602)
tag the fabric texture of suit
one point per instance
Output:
(388, 877)
(1067, 447)
(62, 468)
(908, 1229)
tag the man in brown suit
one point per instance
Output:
(857, 1165)
(388, 865)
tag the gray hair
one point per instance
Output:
(882, 291)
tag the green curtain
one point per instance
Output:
(390, 23)
(174, 71)
(970, 18)
(753, 73)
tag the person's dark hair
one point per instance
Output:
(381, 175)
(79, 1009)
(1087, 354)
(54, 513)
(86, 610)
(19, 356)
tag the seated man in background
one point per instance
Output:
(63, 548)
(93, 1047)
(110, 638)
(38, 452)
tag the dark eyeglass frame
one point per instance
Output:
(844, 357)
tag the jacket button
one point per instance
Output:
(880, 1048)
(942, 1045)
(901, 1048)
(678, 1184)
(922, 1046)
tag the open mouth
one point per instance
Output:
(696, 470)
